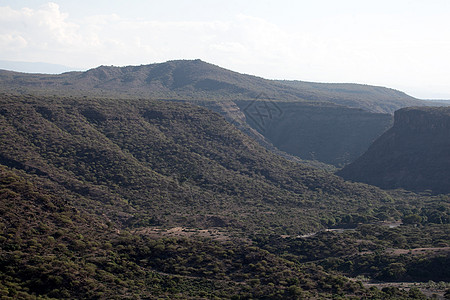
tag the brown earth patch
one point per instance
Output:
(156, 232)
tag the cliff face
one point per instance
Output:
(423, 119)
(332, 134)
(414, 154)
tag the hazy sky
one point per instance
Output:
(403, 44)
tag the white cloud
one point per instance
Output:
(48, 34)
(36, 34)
(12, 41)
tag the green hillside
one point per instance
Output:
(54, 249)
(116, 198)
(314, 125)
(182, 163)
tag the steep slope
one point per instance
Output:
(153, 162)
(414, 154)
(326, 133)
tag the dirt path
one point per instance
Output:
(211, 233)
(419, 251)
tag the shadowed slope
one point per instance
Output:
(414, 154)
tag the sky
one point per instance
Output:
(401, 44)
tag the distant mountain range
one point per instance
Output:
(35, 67)
(414, 154)
(327, 123)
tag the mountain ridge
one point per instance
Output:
(197, 76)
